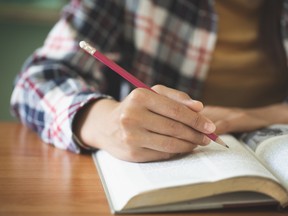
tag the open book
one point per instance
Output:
(254, 170)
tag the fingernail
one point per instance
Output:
(196, 104)
(194, 101)
(209, 127)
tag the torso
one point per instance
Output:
(242, 73)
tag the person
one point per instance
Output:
(228, 55)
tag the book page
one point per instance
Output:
(274, 154)
(255, 138)
(271, 147)
(206, 164)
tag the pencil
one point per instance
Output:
(130, 78)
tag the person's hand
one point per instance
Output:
(230, 120)
(145, 126)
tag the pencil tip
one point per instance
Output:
(221, 142)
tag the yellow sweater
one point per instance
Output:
(242, 73)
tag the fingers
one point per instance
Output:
(173, 129)
(142, 146)
(179, 96)
(142, 155)
(178, 112)
(168, 144)
(133, 148)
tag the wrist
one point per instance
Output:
(77, 125)
(88, 121)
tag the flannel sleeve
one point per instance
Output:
(59, 78)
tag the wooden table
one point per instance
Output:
(38, 179)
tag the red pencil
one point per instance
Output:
(129, 77)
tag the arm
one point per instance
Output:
(243, 120)
(59, 79)
(60, 92)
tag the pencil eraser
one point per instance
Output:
(82, 44)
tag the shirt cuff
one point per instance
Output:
(83, 147)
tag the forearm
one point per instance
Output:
(272, 114)
(60, 78)
(230, 120)
(48, 108)
(52, 88)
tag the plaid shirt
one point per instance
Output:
(159, 41)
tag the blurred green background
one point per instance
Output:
(24, 25)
